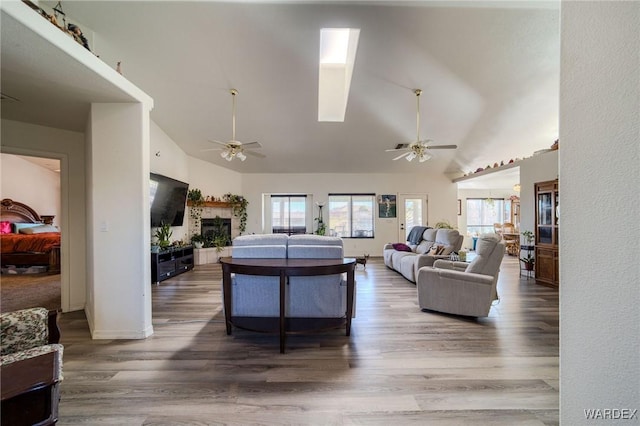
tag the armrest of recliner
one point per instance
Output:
(387, 246)
(429, 260)
(438, 273)
(448, 264)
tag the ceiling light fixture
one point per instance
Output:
(516, 187)
(233, 148)
(419, 148)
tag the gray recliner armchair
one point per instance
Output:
(463, 288)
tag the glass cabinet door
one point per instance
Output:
(544, 209)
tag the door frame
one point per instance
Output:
(402, 231)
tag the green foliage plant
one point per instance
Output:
(239, 208)
(163, 234)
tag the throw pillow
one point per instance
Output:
(5, 227)
(39, 229)
(401, 247)
(436, 250)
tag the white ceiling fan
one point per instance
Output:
(233, 148)
(418, 149)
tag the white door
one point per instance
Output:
(412, 211)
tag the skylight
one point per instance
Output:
(337, 56)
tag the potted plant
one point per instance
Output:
(198, 241)
(443, 224)
(322, 227)
(163, 234)
(528, 260)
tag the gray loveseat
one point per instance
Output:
(442, 241)
(306, 297)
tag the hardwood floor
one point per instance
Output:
(400, 366)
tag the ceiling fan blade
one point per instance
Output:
(402, 155)
(212, 149)
(254, 154)
(218, 142)
(251, 145)
(442, 147)
(395, 149)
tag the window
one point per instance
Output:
(482, 213)
(351, 215)
(288, 214)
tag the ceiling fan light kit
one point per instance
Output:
(418, 149)
(233, 148)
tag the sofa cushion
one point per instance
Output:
(314, 252)
(424, 247)
(314, 240)
(430, 235)
(260, 252)
(407, 267)
(401, 247)
(261, 240)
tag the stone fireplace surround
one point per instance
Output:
(209, 211)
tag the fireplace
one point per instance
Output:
(211, 228)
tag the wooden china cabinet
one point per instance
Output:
(546, 233)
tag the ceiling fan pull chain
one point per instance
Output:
(418, 92)
(234, 92)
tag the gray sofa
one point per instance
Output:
(409, 262)
(306, 297)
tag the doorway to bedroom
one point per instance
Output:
(32, 280)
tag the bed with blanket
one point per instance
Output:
(26, 240)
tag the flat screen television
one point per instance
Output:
(168, 198)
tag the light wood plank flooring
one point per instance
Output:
(401, 366)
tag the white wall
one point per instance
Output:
(33, 185)
(28, 139)
(442, 196)
(118, 228)
(600, 198)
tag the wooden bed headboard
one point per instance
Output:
(14, 211)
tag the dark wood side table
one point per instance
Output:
(285, 268)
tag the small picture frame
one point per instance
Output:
(459, 207)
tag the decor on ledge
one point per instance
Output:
(322, 228)
(234, 148)
(419, 148)
(239, 206)
(70, 29)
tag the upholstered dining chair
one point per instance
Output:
(463, 288)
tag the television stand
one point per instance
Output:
(170, 262)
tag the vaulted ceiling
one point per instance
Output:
(489, 72)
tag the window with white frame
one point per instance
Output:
(289, 214)
(352, 215)
(482, 213)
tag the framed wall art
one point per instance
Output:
(386, 206)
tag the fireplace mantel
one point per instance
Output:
(211, 204)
